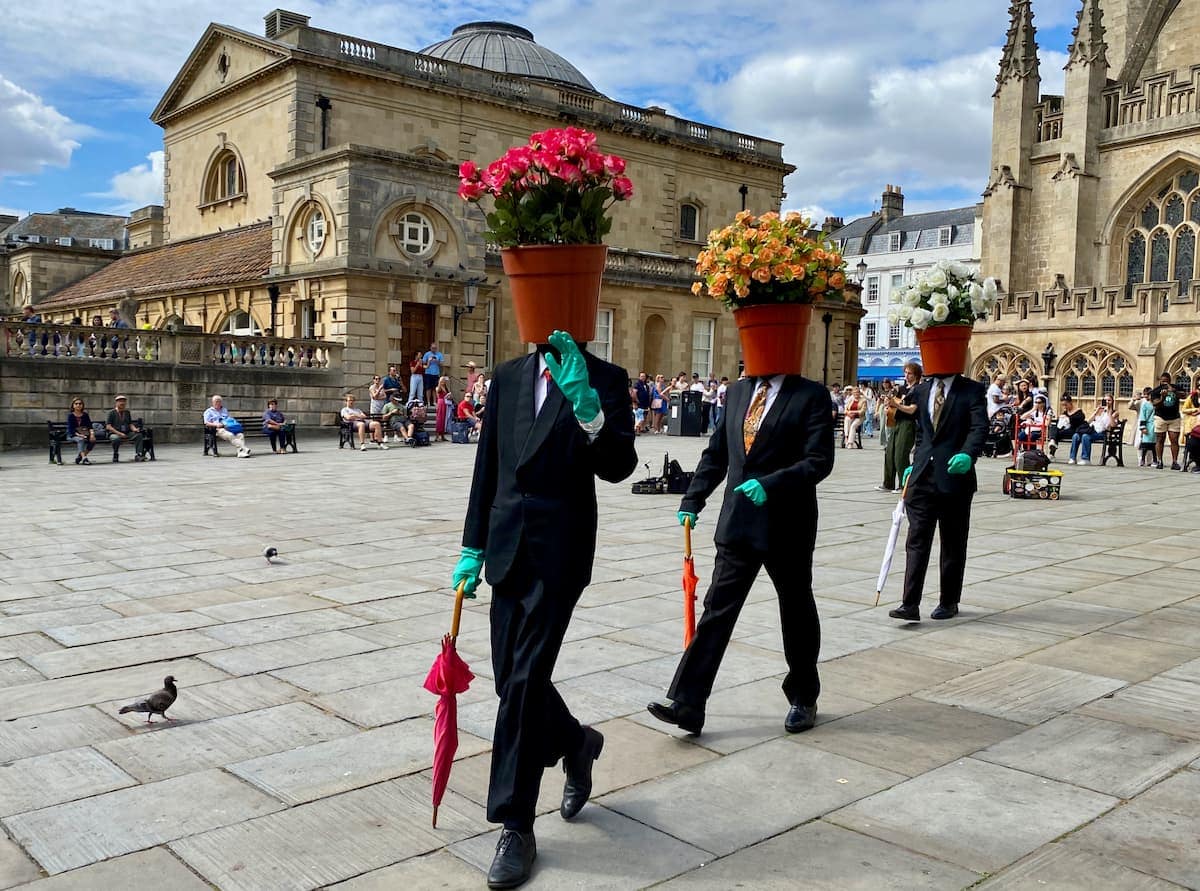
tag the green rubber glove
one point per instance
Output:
(959, 464)
(904, 476)
(753, 490)
(686, 516)
(470, 562)
(571, 374)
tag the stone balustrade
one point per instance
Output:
(1157, 96)
(626, 266)
(70, 343)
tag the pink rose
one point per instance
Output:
(471, 191)
(468, 171)
(593, 163)
(622, 188)
(614, 164)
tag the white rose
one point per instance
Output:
(976, 291)
(893, 316)
(962, 270)
(897, 296)
(938, 298)
(943, 265)
(989, 288)
(912, 297)
(921, 318)
(951, 291)
(941, 312)
(905, 313)
(980, 307)
(924, 286)
(937, 279)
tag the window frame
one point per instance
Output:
(695, 234)
(872, 292)
(945, 236)
(602, 347)
(895, 336)
(402, 240)
(703, 366)
(253, 330)
(315, 245)
(870, 336)
(894, 242)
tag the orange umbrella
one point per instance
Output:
(448, 676)
(690, 580)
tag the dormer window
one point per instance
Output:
(945, 236)
(314, 231)
(893, 241)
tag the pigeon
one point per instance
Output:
(270, 552)
(156, 703)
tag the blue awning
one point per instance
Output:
(880, 372)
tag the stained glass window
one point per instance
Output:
(1150, 215)
(1096, 370)
(1188, 180)
(1174, 211)
(1196, 209)
(1160, 256)
(1185, 257)
(1136, 267)
(1125, 386)
(1107, 384)
(1089, 384)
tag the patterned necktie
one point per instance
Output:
(939, 401)
(754, 416)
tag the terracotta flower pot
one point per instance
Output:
(555, 286)
(774, 337)
(944, 348)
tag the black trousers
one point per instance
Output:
(951, 514)
(534, 727)
(733, 574)
(705, 414)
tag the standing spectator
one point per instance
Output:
(1190, 412)
(1165, 399)
(719, 406)
(1103, 419)
(432, 360)
(416, 378)
(121, 429)
(392, 385)
(1146, 430)
(855, 408)
(898, 455)
(838, 400)
(79, 428)
(1069, 421)
(115, 320)
(217, 417)
(378, 395)
(30, 317)
(707, 402)
(868, 418)
(885, 413)
(641, 393)
(995, 395)
(658, 403)
(361, 424)
(472, 376)
(443, 408)
(394, 420)
(274, 426)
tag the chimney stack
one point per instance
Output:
(280, 20)
(892, 205)
(832, 224)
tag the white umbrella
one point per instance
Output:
(890, 550)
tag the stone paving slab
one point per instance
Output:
(14, 672)
(15, 867)
(879, 675)
(233, 610)
(120, 629)
(385, 702)
(980, 816)
(1112, 655)
(1057, 866)
(440, 870)
(223, 698)
(1170, 625)
(708, 805)
(1022, 692)
(121, 653)
(1061, 616)
(253, 631)
(169, 603)
(177, 748)
(359, 831)
(155, 868)
(40, 621)
(52, 732)
(44, 780)
(575, 853)
(360, 669)
(1112, 758)
(976, 643)
(17, 646)
(67, 836)
(824, 857)
(1162, 703)
(276, 654)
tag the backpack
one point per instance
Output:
(1033, 459)
(416, 411)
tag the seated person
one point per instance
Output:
(416, 418)
(275, 425)
(217, 417)
(360, 424)
(79, 429)
(121, 430)
(465, 414)
(1103, 419)
(394, 418)
(1034, 421)
(1069, 420)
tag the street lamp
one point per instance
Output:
(470, 301)
(860, 271)
(743, 190)
(1048, 357)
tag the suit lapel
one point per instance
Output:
(738, 405)
(525, 375)
(951, 395)
(546, 418)
(778, 407)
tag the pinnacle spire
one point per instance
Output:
(1088, 46)
(1019, 60)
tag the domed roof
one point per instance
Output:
(508, 49)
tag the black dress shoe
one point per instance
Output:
(515, 853)
(907, 613)
(800, 718)
(685, 717)
(578, 768)
(941, 611)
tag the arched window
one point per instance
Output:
(20, 290)
(226, 177)
(314, 230)
(1008, 362)
(241, 324)
(1097, 370)
(415, 236)
(1161, 242)
(689, 222)
(1184, 368)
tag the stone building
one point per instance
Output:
(44, 252)
(344, 152)
(890, 250)
(1092, 208)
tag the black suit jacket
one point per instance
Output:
(791, 454)
(963, 428)
(535, 479)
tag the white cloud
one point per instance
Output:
(35, 134)
(138, 186)
(13, 212)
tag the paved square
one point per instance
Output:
(1049, 736)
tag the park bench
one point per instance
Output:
(1114, 444)
(839, 434)
(252, 425)
(57, 435)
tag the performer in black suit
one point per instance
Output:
(951, 426)
(775, 442)
(554, 424)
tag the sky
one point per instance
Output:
(862, 93)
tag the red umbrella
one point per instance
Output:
(690, 580)
(448, 676)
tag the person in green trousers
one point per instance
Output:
(898, 453)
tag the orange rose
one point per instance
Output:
(697, 287)
(761, 274)
(837, 280)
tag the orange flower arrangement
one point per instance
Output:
(769, 259)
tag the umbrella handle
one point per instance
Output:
(458, 600)
(687, 538)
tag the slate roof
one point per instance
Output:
(78, 224)
(224, 258)
(869, 235)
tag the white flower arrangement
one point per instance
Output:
(948, 294)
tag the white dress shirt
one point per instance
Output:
(947, 382)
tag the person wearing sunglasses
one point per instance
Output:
(378, 395)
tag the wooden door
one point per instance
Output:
(416, 330)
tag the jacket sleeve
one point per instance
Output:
(714, 463)
(817, 450)
(612, 451)
(977, 424)
(484, 480)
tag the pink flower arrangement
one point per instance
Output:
(556, 189)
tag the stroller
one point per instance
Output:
(998, 441)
